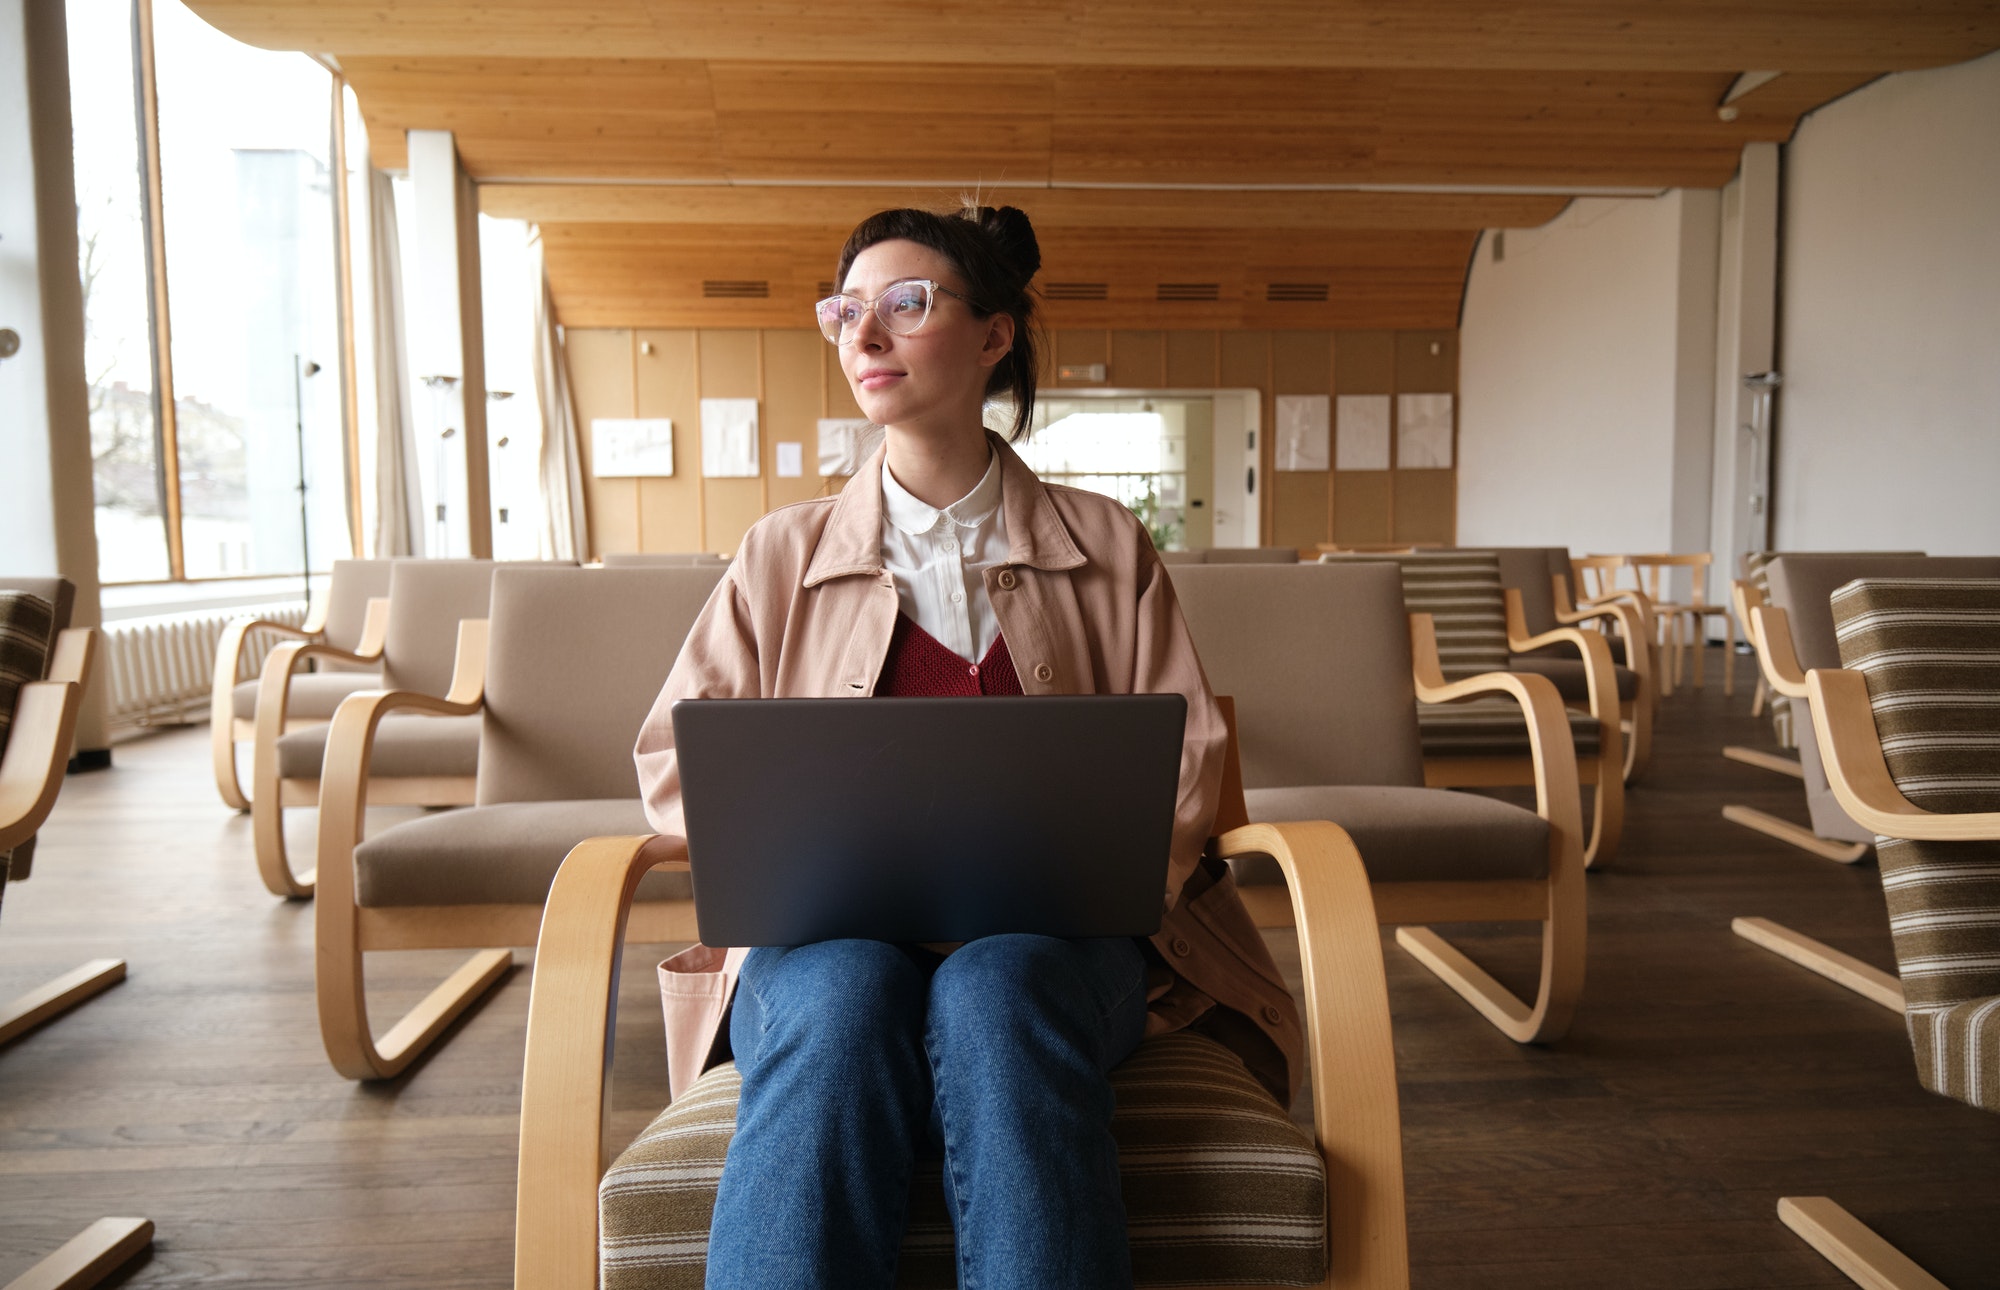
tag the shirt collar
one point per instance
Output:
(913, 516)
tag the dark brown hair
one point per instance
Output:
(995, 252)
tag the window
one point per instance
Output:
(112, 262)
(1129, 449)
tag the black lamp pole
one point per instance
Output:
(302, 368)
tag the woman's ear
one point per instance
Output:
(999, 339)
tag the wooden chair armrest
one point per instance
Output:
(1772, 635)
(31, 772)
(1557, 792)
(1852, 750)
(566, 1082)
(1633, 616)
(1356, 1112)
(229, 657)
(1744, 597)
(374, 629)
(1600, 673)
(74, 656)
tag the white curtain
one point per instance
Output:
(565, 533)
(399, 526)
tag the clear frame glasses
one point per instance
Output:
(903, 308)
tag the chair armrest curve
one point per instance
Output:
(1851, 748)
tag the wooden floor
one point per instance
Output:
(1704, 1077)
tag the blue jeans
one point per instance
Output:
(857, 1054)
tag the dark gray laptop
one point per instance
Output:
(928, 819)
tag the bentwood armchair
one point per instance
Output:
(1221, 1188)
(1910, 736)
(1327, 671)
(555, 685)
(349, 619)
(1684, 623)
(1487, 743)
(1538, 642)
(41, 691)
(422, 761)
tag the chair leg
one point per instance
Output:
(343, 1009)
(222, 754)
(1852, 1246)
(56, 997)
(1871, 983)
(1765, 760)
(1544, 1021)
(1636, 721)
(1795, 835)
(1607, 818)
(267, 819)
(1759, 697)
(89, 1257)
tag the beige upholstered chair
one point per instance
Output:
(1536, 579)
(1913, 761)
(343, 620)
(662, 559)
(1183, 557)
(1251, 555)
(1486, 743)
(421, 761)
(44, 667)
(554, 686)
(1327, 670)
(1231, 1150)
(1793, 634)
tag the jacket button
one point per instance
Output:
(1181, 946)
(1044, 673)
(1272, 1015)
(1006, 580)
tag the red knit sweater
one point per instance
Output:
(920, 666)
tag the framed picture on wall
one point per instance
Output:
(729, 438)
(1362, 432)
(1302, 432)
(1423, 431)
(844, 443)
(627, 447)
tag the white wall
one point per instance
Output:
(1586, 370)
(1889, 421)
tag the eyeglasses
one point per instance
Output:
(904, 307)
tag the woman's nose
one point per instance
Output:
(868, 333)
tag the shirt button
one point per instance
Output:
(958, 597)
(1043, 672)
(972, 671)
(1181, 946)
(1272, 1015)
(950, 545)
(1006, 580)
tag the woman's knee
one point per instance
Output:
(837, 990)
(998, 978)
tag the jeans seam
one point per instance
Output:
(967, 1280)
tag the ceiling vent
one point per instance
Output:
(735, 289)
(1075, 291)
(1296, 292)
(1188, 291)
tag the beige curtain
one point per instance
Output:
(565, 530)
(399, 526)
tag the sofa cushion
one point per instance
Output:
(1219, 1185)
(1410, 834)
(407, 745)
(506, 854)
(27, 637)
(314, 695)
(1568, 675)
(1491, 728)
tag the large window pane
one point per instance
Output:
(245, 140)
(513, 422)
(111, 260)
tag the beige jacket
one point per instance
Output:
(806, 610)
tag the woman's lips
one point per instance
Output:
(880, 380)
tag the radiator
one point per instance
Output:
(162, 669)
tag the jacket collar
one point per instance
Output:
(851, 543)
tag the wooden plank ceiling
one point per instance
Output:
(1279, 161)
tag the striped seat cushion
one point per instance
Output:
(27, 624)
(1219, 1185)
(1930, 649)
(1491, 728)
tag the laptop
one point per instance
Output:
(928, 819)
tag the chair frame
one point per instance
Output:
(1653, 572)
(1744, 595)
(1596, 580)
(272, 794)
(1629, 617)
(344, 932)
(1558, 901)
(1844, 724)
(566, 1083)
(31, 777)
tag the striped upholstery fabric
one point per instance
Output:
(1930, 649)
(1220, 1186)
(1461, 591)
(27, 626)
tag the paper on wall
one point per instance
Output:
(1423, 431)
(844, 443)
(625, 447)
(1361, 432)
(729, 438)
(791, 459)
(1302, 432)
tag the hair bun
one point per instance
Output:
(1010, 230)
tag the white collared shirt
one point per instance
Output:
(939, 560)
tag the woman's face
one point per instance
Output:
(936, 376)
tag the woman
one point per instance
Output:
(945, 566)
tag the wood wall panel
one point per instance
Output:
(670, 508)
(793, 395)
(1191, 359)
(602, 378)
(1426, 506)
(1361, 507)
(731, 368)
(1138, 359)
